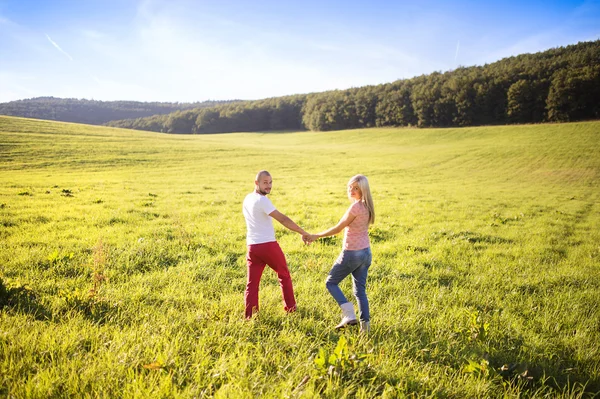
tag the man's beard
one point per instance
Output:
(262, 192)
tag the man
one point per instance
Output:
(263, 249)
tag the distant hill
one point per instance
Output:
(93, 112)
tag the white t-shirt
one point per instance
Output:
(258, 222)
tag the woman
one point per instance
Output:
(355, 258)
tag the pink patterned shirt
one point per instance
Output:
(356, 234)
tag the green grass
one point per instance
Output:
(122, 261)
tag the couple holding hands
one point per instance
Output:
(354, 259)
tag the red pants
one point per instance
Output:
(259, 255)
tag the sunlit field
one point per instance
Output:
(122, 263)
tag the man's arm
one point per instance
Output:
(287, 222)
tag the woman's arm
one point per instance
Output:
(342, 224)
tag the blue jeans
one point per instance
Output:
(356, 263)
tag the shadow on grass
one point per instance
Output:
(470, 237)
(93, 309)
(23, 300)
(561, 373)
(284, 131)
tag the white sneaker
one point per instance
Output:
(348, 316)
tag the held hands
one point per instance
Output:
(309, 238)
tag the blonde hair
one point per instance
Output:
(366, 198)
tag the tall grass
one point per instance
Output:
(122, 264)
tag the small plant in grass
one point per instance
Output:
(342, 362)
(89, 303)
(56, 258)
(98, 277)
(478, 327)
(476, 350)
(480, 368)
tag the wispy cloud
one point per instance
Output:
(456, 54)
(91, 75)
(58, 47)
(95, 78)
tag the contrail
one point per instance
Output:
(58, 47)
(457, 47)
(95, 78)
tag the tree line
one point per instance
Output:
(92, 112)
(558, 85)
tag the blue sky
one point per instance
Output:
(185, 50)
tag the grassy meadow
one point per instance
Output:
(122, 263)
